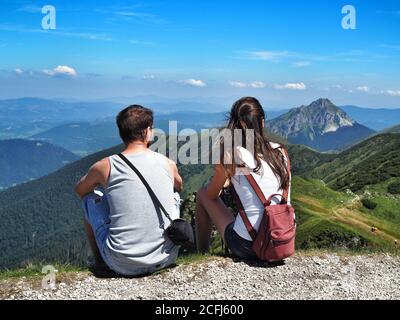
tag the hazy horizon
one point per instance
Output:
(219, 101)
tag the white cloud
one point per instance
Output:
(301, 64)
(148, 77)
(292, 86)
(254, 84)
(390, 46)
(363, 89)
(61, 71)
(30, 9)
(258, 85)
(128, 15)
(19, 71)
(238, 84)
(334, 87)
(142, 43)
(83, 35)
(393, 93)
(48, 72)
(194, 83)
(267, 55)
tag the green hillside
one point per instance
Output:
(303, 159)
(370, 162)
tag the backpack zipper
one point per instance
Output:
(281, 242)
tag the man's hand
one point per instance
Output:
(97, 176)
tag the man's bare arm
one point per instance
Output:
(178, 182)
(97, 176)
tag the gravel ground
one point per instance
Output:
(302, 277)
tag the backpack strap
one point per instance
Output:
(154, 198)
(250, 229)
(260, 194)
(286, 191)
(266, 202)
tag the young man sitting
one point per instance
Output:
(123, 226)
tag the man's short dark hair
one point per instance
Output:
(132, 123)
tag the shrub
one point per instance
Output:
(394, 188)
(369, 204)
(334, 238)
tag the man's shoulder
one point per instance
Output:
(162, 157)
(101, 165)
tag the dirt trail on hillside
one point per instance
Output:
(324, 276)
(351, 218)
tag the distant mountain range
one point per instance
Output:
(83, 138)
(53, 111)
(25, 117)
(376, 119)
(320, 125)
(23, 160)
(46, 119)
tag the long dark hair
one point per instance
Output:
(247, 113)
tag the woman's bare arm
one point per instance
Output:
(219, 180)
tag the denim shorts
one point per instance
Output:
(96, 210)
(240, 248)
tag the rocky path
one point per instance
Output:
(302, 277)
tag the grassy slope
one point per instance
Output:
(335, 219)
(388, 206)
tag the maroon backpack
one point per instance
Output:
(275, 239)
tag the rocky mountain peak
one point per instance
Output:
(318, 118)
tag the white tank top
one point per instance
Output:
(268, 183)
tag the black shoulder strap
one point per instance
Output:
(149, 189)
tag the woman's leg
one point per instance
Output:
(209, 212)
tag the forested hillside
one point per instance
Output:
(25, 160)
(373, 161)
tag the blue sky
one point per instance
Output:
(286, 53)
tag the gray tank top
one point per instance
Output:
(136, 241)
